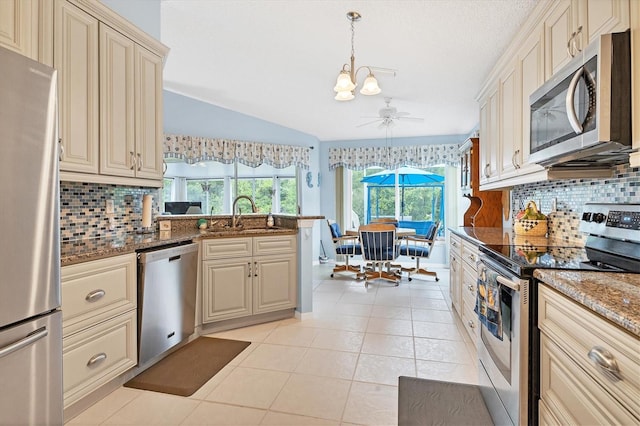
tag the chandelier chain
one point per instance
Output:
(353, 34)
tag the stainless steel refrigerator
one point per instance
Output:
(30, 316)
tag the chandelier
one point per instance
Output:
(346, 82)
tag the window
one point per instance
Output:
(215, 186)
(415, 201)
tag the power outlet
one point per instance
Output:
(108, 205)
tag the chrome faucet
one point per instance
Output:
(235, 220)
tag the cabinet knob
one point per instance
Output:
(61, 150)
(133, 160)
(606, 361)
(139, 161)
(249, 269)
(471, 324)
(470, 288)
(486, 170)
(514, 159)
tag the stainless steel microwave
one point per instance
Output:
(582, 115)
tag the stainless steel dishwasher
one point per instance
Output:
(166, 298)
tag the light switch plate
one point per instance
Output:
(165, 225)
(108, 205)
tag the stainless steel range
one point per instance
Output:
(509, 365)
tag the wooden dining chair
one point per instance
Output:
(379, 249)
(420, 247)
(345, 245)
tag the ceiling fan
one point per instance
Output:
(388, 115)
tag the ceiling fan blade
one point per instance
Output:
(368, 122)
(410, 118)
(402, 114)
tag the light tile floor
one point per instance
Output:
(339, 367)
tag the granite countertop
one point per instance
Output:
(79, 251)
(615, 296)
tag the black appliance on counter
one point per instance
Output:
(181, 207)
(509, 369)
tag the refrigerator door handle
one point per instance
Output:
(26, 341)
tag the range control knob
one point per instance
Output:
(599, 218)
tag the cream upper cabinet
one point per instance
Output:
(634, 160)
(117, 114)
(560, 28)
(509, 146)
(531, 69)
(111, 101)
(573, 24)
(489, 136)
(19, 26)
(76, 58)
(148, 107)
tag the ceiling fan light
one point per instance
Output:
(370, 86)
(344, 95)
(344, 83)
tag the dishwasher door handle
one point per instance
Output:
(171, 259)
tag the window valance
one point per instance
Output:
(394, 157)
(193, 149)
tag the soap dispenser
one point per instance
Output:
(270, 221)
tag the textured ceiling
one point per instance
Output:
(277, 60)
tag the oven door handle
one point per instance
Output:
(508, 283)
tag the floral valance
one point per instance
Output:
(394, 157)
(193, 149)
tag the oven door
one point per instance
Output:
(504, 362)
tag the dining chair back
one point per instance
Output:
(379, 248)
(346, 246)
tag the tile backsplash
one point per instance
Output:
(569, 196)
(83, 210)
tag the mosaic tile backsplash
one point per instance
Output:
(83, 210)
(570, 195)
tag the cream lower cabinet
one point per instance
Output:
(248, 276)
(468, 289)
(99, 317)
(455, 271)
(573, 388)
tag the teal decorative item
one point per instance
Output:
(202, 223)
(309, 177)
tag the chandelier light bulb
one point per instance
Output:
(370, 86)
(344, 83)
(345, 95)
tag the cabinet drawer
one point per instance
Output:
(274, 245)
(456, 243)
(97, 290)
(469, 281)
(470, 254)
(572, 396)
(470, 320)
(97, 355)
(224, 248)
(577, 330)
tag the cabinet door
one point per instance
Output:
(274, 286)
(559, 26)
(117, 119)
(19, 26)
(531, 68)
(226, 287)
(455, 279)
(489, 138)
(509, 122)
(604, 16)
(148, 83)
(76, 58)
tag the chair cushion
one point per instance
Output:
(413, 250)
(349, 249)
(335, 230)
